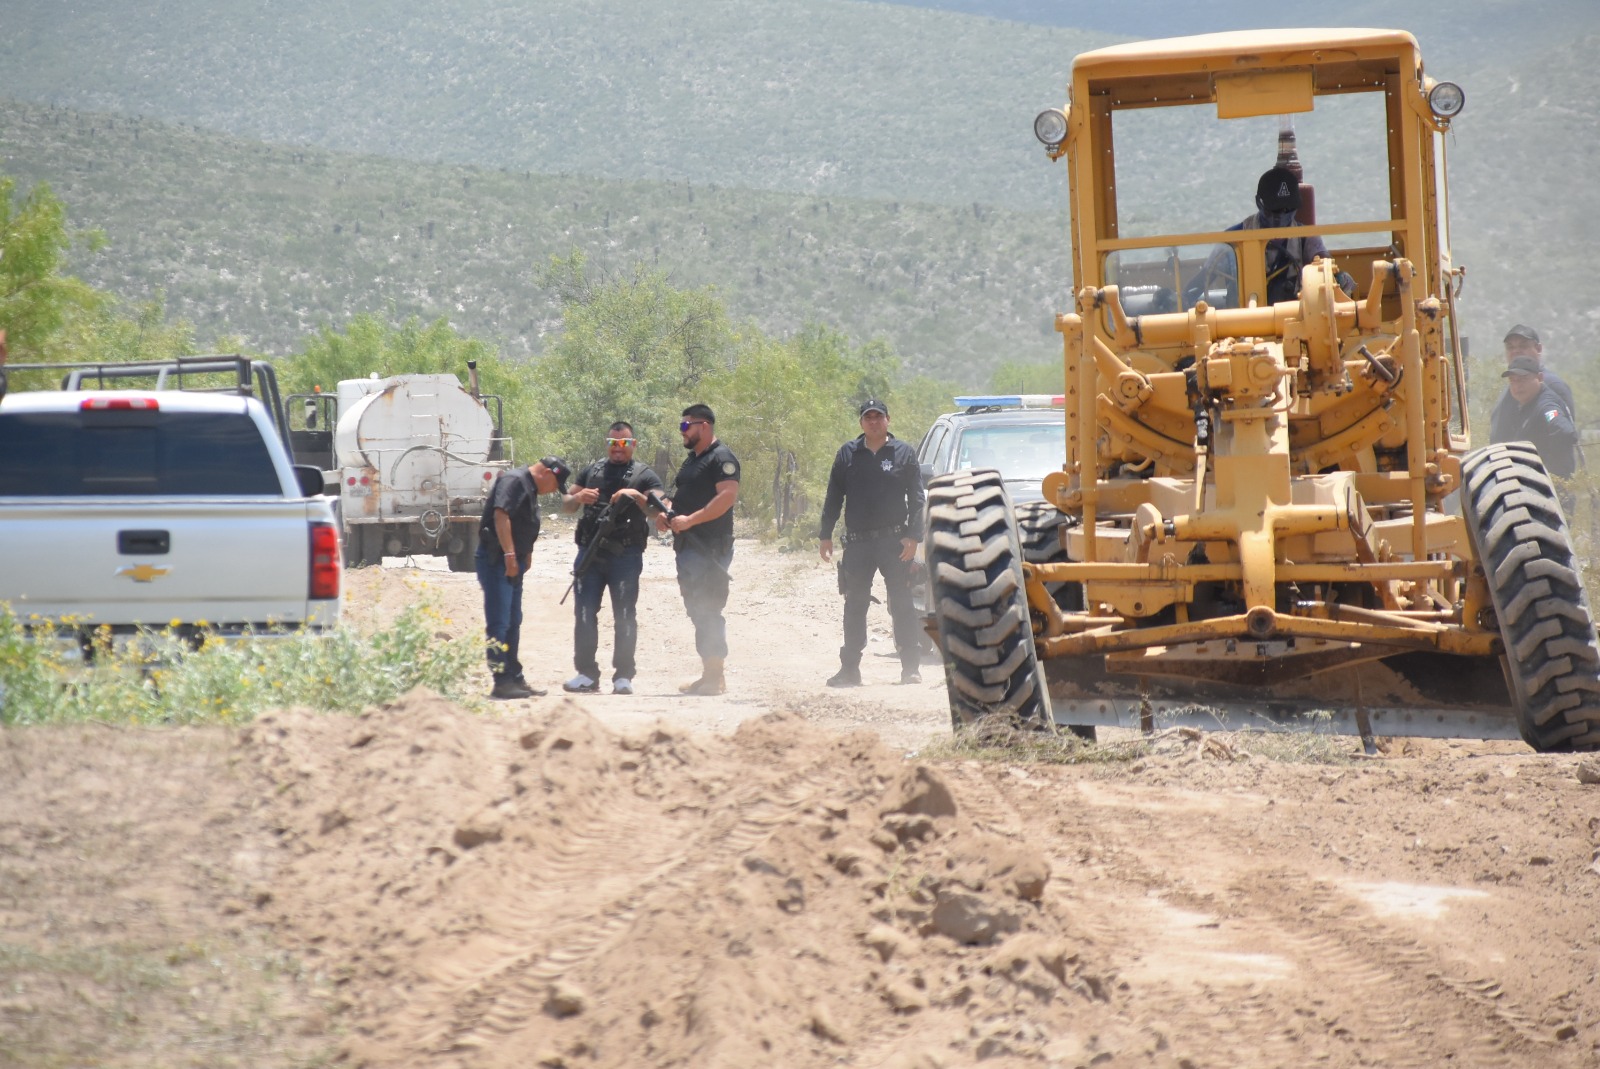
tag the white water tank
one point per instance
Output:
(404, 412)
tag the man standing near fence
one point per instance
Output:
(877, 484)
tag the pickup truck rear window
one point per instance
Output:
(120, 453)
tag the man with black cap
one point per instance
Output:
(700, 518)
(1504, 421)
(877, 484)
(506, 533)
(1277, 202)
(1539, 416)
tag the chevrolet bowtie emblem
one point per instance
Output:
(143, 573)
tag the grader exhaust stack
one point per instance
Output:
(1274, 518)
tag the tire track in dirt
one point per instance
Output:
(499, 996)
(1317, 936)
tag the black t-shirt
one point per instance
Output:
(697, 484)
(632, 528)
(515, 492)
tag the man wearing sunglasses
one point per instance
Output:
(701, 523)
(611, 554)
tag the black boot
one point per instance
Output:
(848, 675)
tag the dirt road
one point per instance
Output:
(767, 878)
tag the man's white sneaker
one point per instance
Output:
(581, 684)
(622, 686)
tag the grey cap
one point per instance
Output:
(1522, 331)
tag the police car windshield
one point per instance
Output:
(1017, 452)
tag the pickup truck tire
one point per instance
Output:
(985, 634)
(1551, 659)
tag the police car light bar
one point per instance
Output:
(1013, 400)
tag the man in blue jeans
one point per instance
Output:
(611, 536)
(506, 535)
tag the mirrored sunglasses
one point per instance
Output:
(686, 424)
(619, 441)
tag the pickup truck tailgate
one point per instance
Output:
(224, 562)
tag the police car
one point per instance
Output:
(1024, 438)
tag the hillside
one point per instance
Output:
(868, 165)
(272, 242)
(828, 97)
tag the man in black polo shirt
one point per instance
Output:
(613, 562)
(506, 535)
(702, 532)
(876, 482)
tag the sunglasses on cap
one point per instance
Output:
(619, 441)
(686, 424)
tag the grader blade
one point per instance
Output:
(1423, 694)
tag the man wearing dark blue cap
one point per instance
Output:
(1540, 416)
(877, 484)
(506, 534)
(1504, 421)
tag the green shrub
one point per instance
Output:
(162, 678)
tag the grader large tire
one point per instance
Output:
(974, 563)
(1039, 525)
(1552, 661)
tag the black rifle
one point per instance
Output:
(655, 503)
(600, 542)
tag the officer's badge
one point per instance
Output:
(728, 467)
(888, 465)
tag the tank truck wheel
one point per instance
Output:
(362, 545)
(463, 559)
(1551, 660)
(985, 636)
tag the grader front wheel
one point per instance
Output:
(1552, 661)
(974, 561)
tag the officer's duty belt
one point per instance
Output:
(874, 533)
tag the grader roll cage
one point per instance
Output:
(1269, 515)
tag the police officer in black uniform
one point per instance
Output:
(876, 482)
(506, 534)
(701, 522)
(1539, 416)
(610, 560)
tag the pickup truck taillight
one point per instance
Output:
(324, 561)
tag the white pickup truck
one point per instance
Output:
(153, 509)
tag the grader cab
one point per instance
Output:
(1269, 512)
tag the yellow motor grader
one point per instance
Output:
(1268, 513)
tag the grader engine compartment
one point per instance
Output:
(1273, 516)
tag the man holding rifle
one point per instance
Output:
(611, 537)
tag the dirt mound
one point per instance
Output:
(540, 891)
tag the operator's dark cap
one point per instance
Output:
(1521, 365)
(1523, 331)
(1278, 191)
(559, 469)
(874, 405)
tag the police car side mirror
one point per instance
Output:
(927, 474)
